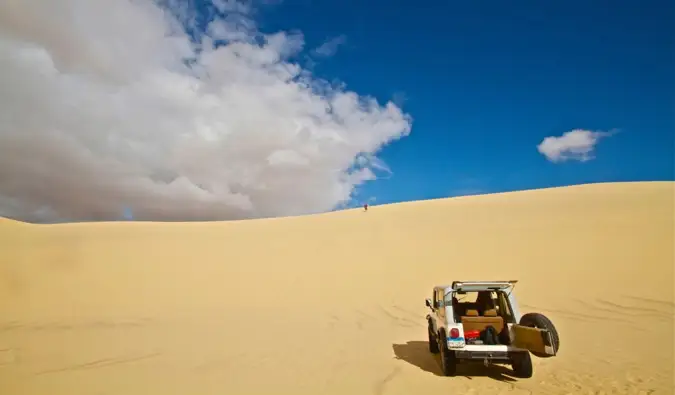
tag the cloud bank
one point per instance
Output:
(577, 144)
(110, 106)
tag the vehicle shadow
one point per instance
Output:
(417, 353)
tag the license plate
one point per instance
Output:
(456, 343)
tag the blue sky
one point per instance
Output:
(114, 111)
(487, 81)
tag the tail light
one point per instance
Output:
(454, 333)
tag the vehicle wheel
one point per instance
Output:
(448, 359)
(433, 342)
(522, 365)
(540, 321)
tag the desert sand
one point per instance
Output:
(334, 303)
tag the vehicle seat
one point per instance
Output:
(484, 302)
(470, 323)
(462, 308)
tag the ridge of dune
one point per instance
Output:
(610, 186)
(12, 222)
(334, 303)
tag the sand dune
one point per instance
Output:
(334, 303)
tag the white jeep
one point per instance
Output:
(480, 321)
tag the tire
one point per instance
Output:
(522, 365)
(540, 321)
(448, 359)
(433, 342)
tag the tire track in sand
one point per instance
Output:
(100, 363)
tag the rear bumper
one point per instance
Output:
(483, 355)
(489, 353)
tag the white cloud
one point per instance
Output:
(330, 47)
(577, 144)
(100, 114)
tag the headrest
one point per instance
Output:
(490, 313)
(472, 313)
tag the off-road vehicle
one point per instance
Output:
(480, 321)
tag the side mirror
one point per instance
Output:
(427, 302)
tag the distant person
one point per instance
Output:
(365, 207)
(128, 214)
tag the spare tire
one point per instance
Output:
(540, 321)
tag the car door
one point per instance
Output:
(532, 339)
(525, 337)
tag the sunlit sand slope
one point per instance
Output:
(334, 303)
